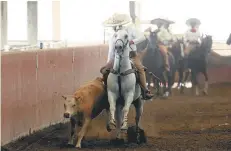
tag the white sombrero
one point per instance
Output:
(117, 19)
(161, 21)
(192, 21)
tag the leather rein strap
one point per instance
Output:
(129, 71)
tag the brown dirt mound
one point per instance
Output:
(183, 122)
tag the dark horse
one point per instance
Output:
(228, 42)
(197, 61)
(178, 52)
(154, 61)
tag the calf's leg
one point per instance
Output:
(72, 132)
(83, 131)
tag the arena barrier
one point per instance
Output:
(33, 82)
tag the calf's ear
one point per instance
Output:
(79, 99)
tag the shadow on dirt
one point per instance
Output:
(56, 136)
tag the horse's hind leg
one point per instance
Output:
(206, 85)
(165, 89)
(171, 80)
(195, 83)
(139, 110)
(118, 120)
(185, 78)
(180, 76)
(112, 101)
(128, 97)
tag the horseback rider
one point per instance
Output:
(164, 38)
(134, 36)
(192, 35)
(166, 25)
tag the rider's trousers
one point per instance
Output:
(190, 47)
(164, 51)
(141, 71)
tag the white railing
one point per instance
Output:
(23, 45)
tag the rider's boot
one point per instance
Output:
(105, 70)
(141, 70)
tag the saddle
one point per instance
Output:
(134, 70)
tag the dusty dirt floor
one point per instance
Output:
(183, 122)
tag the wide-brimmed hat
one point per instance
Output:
(161, 21)
(117, 19)
(191, 21)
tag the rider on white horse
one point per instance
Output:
(164, 38)
(134, 37)
(192, 36)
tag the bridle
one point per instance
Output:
(121, 48)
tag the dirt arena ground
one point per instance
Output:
(183, 122)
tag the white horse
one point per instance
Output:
(122, 85)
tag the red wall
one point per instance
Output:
(33, 82)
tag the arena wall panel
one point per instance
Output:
(33, 82)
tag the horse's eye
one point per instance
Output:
(73, 105)
(115, 35)
(126, 36)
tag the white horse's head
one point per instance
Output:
(121, 42)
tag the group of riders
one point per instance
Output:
(165, 40)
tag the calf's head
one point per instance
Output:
(71, 105)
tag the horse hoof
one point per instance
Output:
(124, 127)
(197, 94)
(166, 95)
(78, 146)
(111, 126)
(205, 93)
(70, 145)
(108, 128)
(135, 135)
(181, 91)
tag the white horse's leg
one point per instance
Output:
(206, 85)
(128, 97)
(118, 120)
(139, 110)
(112, 102)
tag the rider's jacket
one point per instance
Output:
(192, 35)
(164, 36)
(133, 35)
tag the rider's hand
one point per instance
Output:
(104, 70)
(132, 54)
